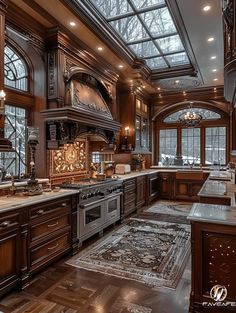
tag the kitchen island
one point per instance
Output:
(213, 239)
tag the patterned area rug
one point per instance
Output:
(169, 211)
(147, 251)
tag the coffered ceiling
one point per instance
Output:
(191, 32)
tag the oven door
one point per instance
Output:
(91, 218)
(113, 209)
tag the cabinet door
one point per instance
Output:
(9, 256)
(141, 191)
(137, 131)
(144, 143)
(165, 186)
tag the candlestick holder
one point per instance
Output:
(33, 187)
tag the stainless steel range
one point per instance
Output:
(99, 205)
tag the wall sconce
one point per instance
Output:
(126, 131)
(5, 144)
(2, 100)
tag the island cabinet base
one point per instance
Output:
(213, 268)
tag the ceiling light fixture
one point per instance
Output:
(215, 79)
(100, 48)
(72, 23)
(177, 81)
(190, 118)
(120, 66)
(210, 39)
(214, 70)
(158, 88)
(215, 89)
(206, 8)
(213, 57)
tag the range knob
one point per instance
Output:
(101, 193)
(83, 197)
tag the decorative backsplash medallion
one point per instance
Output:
(72, 158)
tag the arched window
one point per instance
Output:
(15, 77)
(205, 143)
(15, 70)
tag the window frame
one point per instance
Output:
(222, 122)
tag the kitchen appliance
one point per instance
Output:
(122, 169)
(99, 205)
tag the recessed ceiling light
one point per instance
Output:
(206, 8)
(210, 39)
(177, 81)
(100, 48)
(213, 57)
(72, 23)
(214, 70)
(120, 66)
(215, 79)
(144, 86)
(158, 88)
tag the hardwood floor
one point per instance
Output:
(62, 288)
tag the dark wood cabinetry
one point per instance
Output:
(32, 237)
(129, 197)
(166, 185)
(49, 232)
(213, 263)
(9, 251)
(140, 191)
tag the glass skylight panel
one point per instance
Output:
(170, 44)
(156, 63)
(144, 49)
(159, 22)
(130, 28)
(177, 59)
(112, 8)
(143, 4)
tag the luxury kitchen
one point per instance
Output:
(117, 156)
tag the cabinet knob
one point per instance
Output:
(5, 224)
(40, 212)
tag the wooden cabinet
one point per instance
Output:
(140, 191)
(152, 186)
(9, 251)
(213, 263)
(49, 232)
(188, 185)
(166, 185)
(141, 126)
(129, 197)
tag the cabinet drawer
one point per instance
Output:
(129, 195)
(45, 252)
(42, 229)
(8, 221)
(130, 183)
(50, 207)
(129, 207)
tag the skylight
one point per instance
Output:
(147, 29)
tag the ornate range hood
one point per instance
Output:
(86, 113)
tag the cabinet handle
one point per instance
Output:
(53, 225)
(40, 212)
(5, 224)
(164, 178)
(63, 204)
(54, 247)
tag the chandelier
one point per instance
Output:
(190, 118)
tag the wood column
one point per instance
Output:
(3, 7)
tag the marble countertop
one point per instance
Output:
(134, 174)
(18, 201)
(213, 213)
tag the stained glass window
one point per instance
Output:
(15, 70)
(206, 115)
(147, 29)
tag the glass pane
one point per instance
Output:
(215, 145)
(112, 8)
(159, 22)
(178, 58)
(129, 28)
(145, 49)
(141, 4)
(93, 214)
(156, 63)
(167, 146)
(191, 145)
(170, 44)
(206, 115)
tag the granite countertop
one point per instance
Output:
(134, 174)
(8, 203)
(213, 213)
